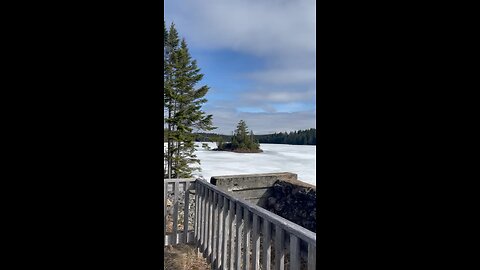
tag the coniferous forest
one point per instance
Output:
(300, 137)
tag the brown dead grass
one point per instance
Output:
(183, 257)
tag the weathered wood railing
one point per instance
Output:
(175, 186)
(234, 234)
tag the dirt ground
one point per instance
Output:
(183, 257)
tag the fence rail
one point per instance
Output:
(234, 234)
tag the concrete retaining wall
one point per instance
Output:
(280, 193)
(255, 188)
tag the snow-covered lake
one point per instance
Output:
(299, 159)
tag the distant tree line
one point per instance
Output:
(300, 137)
(212, 137)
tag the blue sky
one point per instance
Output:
(257, 57)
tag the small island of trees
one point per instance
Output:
(243, 141)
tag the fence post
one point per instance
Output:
(219, 231)
(294, 253)
(311, 257)
(186, 211)
(175, 213)
(231, 214)
(197, 217)
(209, 225)
(165, 213)
(279, 249)
(256, 243)
(238, 250)
(246, 239)
(267, 247)
(214, 229)
(203, 221)
(225, 227)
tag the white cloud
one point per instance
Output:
(258, 97)
(285, 76)
(279, 32)
(267, 27)
(226, 120)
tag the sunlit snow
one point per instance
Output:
(299, 159)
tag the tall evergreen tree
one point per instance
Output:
(182, 105)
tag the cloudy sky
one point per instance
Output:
(258, 58)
